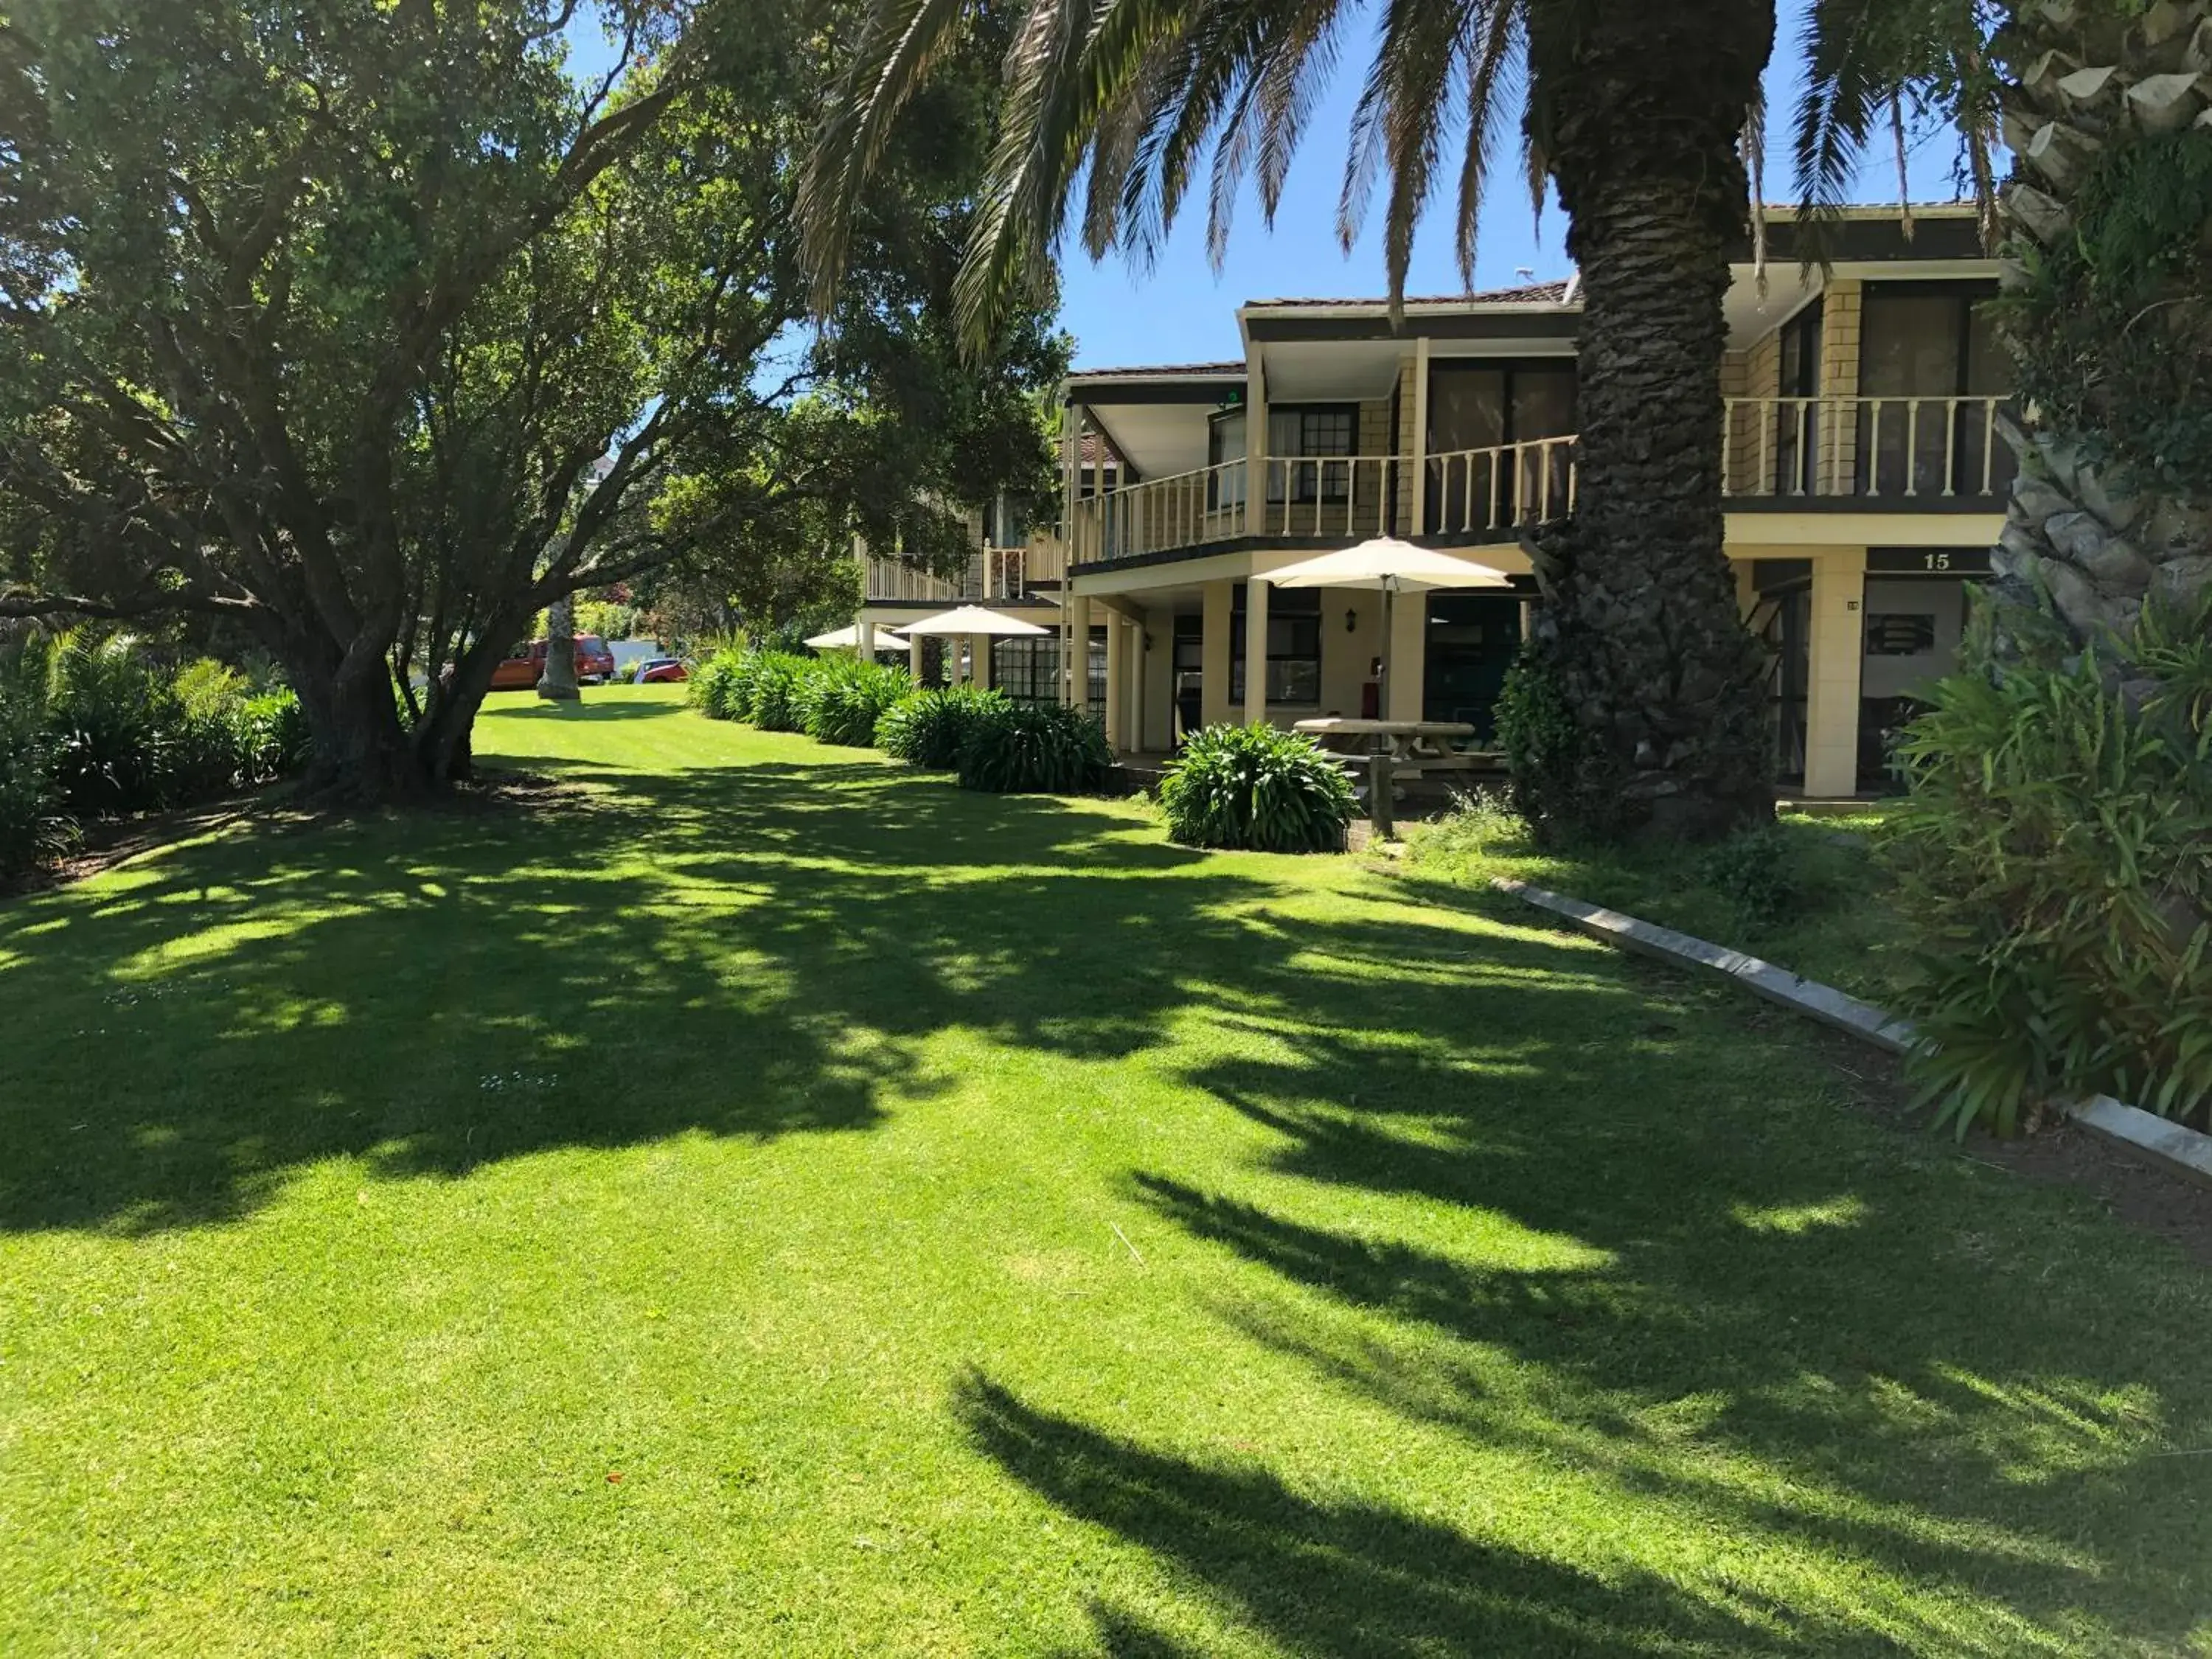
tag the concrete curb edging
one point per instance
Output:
(2178, 1150)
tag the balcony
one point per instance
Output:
(992, 574)
(1934, 454)
(1469, 493)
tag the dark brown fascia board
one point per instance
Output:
(1105, 394)
(1546, 322)
(1853, 240)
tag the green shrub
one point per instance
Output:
(2051, 862)
(769, 687)
(33, 826)
(275, 739)
(928, 729)
(114, 723)
(1756, 870)
(845, 698)
(716, 681)
(1044, 747)
(1257, 787)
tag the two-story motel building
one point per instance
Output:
(1864, 472)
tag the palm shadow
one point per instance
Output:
(1328, 1577)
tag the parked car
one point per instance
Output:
(660, 671)
(524, 666)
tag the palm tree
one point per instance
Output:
(2106, 105)
(1632, 109)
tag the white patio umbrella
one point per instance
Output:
(971, 619)
(848, 638)
(1391, 567)
(972, 622)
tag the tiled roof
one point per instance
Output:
(1526, 294)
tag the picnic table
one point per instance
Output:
(1389, 749)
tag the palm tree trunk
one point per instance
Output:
(1639, 111)
(2106, 110)
(558, 682)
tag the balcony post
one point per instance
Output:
(1256, 441)
(1420, 445)
(1836, 649)
(1256, 652)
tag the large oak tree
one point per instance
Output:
(372, 329)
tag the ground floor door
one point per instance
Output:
(1471, 638)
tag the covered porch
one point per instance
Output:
(1853, 631)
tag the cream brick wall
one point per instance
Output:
(1839, 378)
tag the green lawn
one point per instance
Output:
(1839, 924)
(776, 1204)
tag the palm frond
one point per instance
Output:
(1880, 60)
(1400, 115)
(1496, 52)
(899, 43)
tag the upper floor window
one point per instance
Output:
(1930, 368)
(1224, 450)
(1315, 430)
(1007, 522)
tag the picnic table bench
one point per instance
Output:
(1386, 750)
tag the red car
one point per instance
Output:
(521, 671)
(660, 671)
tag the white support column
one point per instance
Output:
(1077, 662)
(1409, 651)
(1421, 435)
(1117, 683)
(1134, 670)
(1220, 617)
(1256, 652)
(913, 657)
(1838, 648)
(864, 639)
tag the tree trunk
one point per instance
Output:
(1639, 632)
(362, 757)
(558, 682)
(2111, 326)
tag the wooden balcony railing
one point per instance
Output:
(992, 573)
(1465, 492)
(1871, 449)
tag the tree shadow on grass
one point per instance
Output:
(752, 950)
(1929, 1367)
(1323, 1576)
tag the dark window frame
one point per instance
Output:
(1297, 611)
(1305, 485)
(1026, 667)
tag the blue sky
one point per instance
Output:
(1181, 311)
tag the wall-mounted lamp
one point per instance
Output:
(1350, 619)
